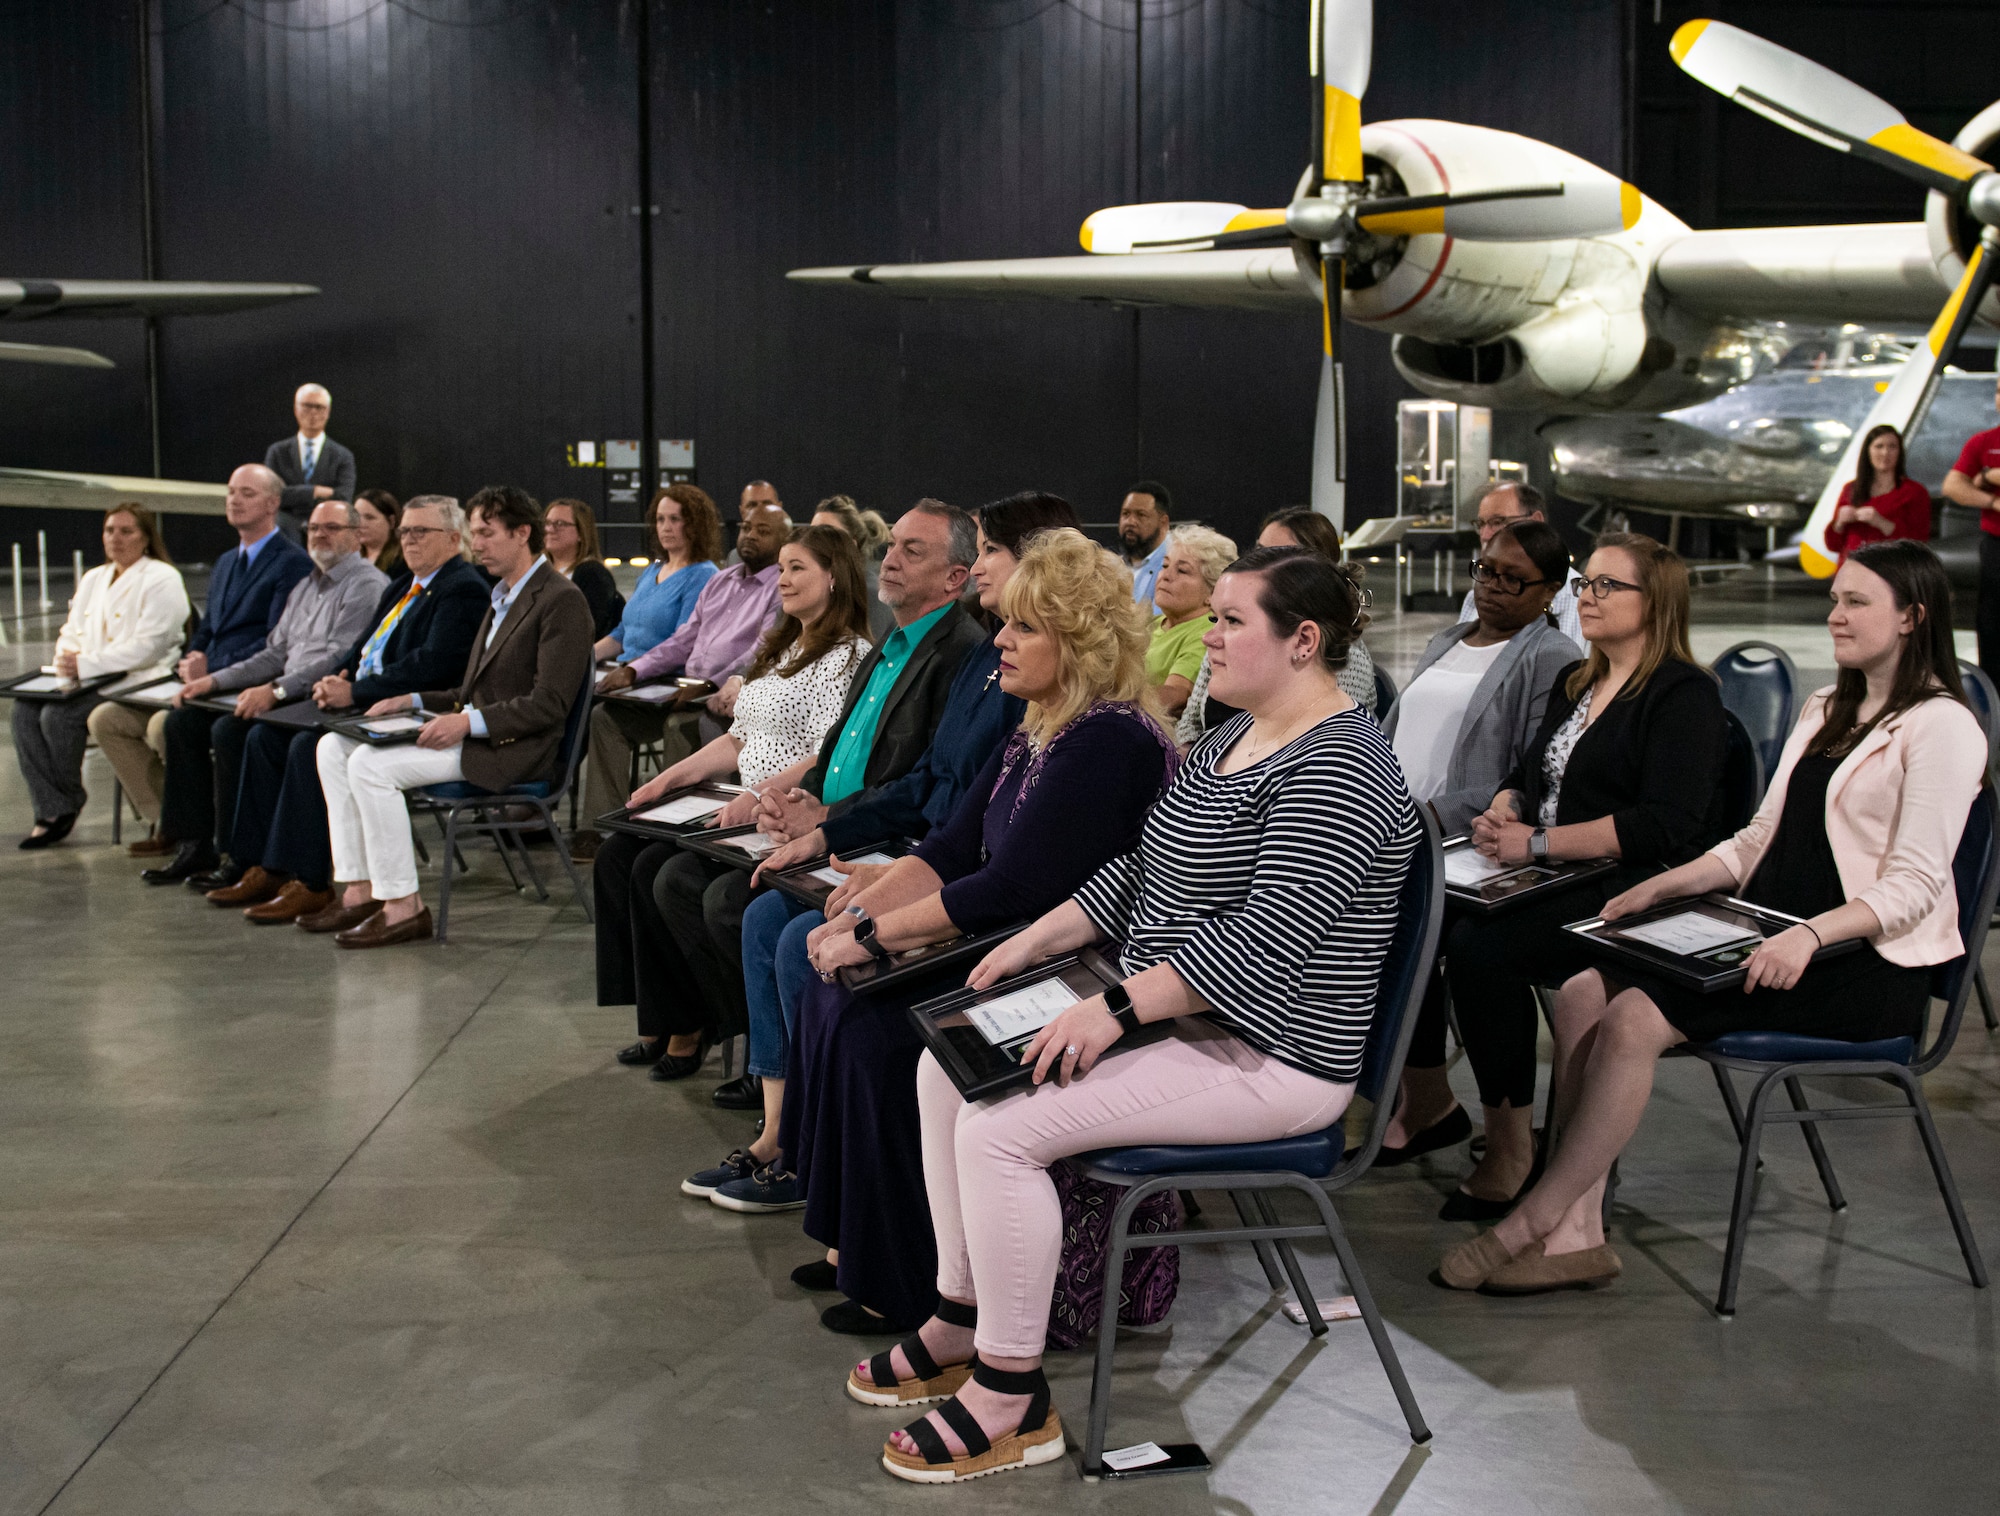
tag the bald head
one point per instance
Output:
(252, 503)
(312, 405)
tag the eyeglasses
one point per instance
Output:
(1506, 584)
(1490, 524)
(412, 533)
(1602, 586)
(327, 531)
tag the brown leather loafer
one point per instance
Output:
(1534, 1272)
(379, 931)
(289, 904)
(149, 847)
(338, 917)
(254, 888)
(1471, 1264)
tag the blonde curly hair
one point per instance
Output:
(1213, 551)
(1076, 592)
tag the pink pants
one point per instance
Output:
(993, 1205)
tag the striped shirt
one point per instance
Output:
(1273, 891)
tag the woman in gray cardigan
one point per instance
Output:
(1459, 727)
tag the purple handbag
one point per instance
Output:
(1152, 1275)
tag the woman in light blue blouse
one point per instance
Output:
(689, 531)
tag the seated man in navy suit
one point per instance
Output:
(419, 638)
(247, 591)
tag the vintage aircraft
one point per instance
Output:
(1516, 275)
(41, 299)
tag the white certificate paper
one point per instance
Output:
(756, 844)
(1688, 933)
(44, 684)
(1022, 1013)
(1467, 866)
(833, 876)
(652, 692)
(680, 812)
(382, 726)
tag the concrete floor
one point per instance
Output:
(284, 1229)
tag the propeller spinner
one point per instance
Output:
(1815, 102)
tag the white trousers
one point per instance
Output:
(365, 813)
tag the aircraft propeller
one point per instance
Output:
(1815, 102)
(1333, 206)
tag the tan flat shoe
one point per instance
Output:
(1535, 1272)
(1471, 1264)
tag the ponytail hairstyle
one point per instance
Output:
(1928, 668)
(1296, 585)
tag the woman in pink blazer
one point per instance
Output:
(1855, 837)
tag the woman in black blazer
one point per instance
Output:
(1627, 764)
(570, 529)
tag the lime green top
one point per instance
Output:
(1177, 649)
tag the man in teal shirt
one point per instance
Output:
(896, 697)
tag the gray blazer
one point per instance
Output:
(1502, 718)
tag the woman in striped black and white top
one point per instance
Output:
(1258, 911)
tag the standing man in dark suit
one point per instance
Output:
(312, 465)
(502, 726)
(418, 638)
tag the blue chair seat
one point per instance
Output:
(1783, 1047)
(1313, 1154)
(459, 789)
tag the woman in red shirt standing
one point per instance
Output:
(1881, 501)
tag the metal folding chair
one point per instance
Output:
(461, 806)
(1779, 1060)
(1313, 1165)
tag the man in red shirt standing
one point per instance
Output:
(1975, 482)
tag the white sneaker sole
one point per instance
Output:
(752, 1207)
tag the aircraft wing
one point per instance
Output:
(1872, 273)
(46, 488)
(29, 299)
(1255, 279)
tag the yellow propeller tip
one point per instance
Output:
(1083, 236)
(1630, 205)
(1816, 563)
(1685, 37)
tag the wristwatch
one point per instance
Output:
(865, 935)
(1118, 1001)
(1538, 844)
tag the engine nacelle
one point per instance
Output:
(1952, 233)
(1562, 325)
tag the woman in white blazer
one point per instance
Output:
(1855, 838)
(127, 617)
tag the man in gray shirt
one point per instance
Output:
(324, 615)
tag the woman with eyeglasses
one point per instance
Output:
(570, 537)
(1627, 763)
(1460, 726)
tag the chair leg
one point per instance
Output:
(502, 846)
(1968, 1245)
(534, 871)
(1834, 1197)
(1263, 1249)
(1728, 1088)
(1357, 1286)
(444, 882)
(1308, 1302)
(1120, 1243)
(118, 816)
(423, 853)
(1746, 1199)
(569, 863)
(1985, 999)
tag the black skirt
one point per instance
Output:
(1854, 997)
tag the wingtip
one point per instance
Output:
(1685, 36)
(840, 273)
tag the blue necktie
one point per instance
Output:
(311, 456)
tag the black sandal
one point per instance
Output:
(672, 1066)
(1038, 1439)
(931, 1382)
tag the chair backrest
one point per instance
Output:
(1985, 703)
(578, 722)
(1760, 687)
(1385, 693)
(1406, 971)
(1743, 776)
(1975, 874)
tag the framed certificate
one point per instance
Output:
(1474, 882)
(672, 816)
(305, 716)
(382, 731)
(1700, 943)
(813, 882)
(879, 975)
(51, 688)
(741, 847)
(692, 690)
(978, 1036)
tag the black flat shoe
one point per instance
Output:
(190, 858)
(1447, 1132)
(672, 1066)
(52, 832)
(854, 1320)
(1459, 1206)
(743, 1093)
(643, 1052)
(223, 876)
(818, 1276)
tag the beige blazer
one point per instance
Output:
(1895, 810)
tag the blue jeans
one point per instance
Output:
(775, 974)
